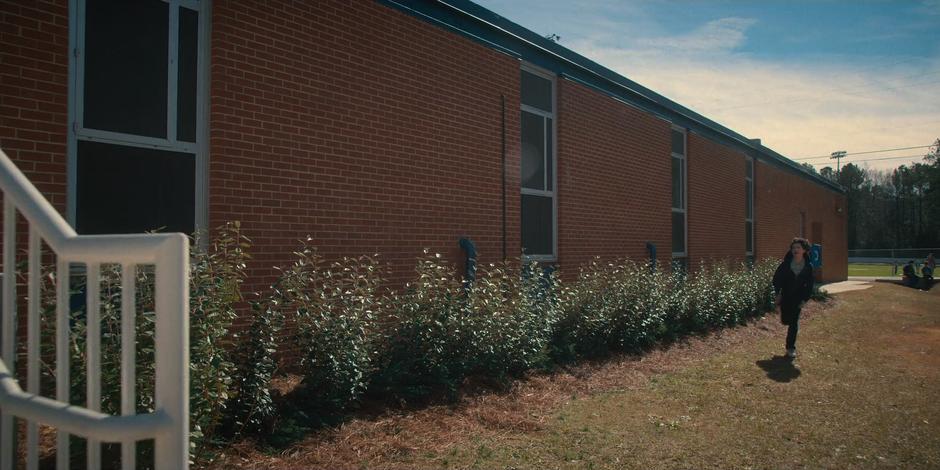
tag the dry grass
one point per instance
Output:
(862, 394)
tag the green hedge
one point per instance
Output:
(216, 275)
(334, 308)
(357, 337)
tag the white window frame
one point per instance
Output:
(76, 109)
(749, 178)
(683, 186)
(554, 164)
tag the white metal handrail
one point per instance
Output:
(168, 425)
(78, 420)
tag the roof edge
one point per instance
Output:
(499, 33)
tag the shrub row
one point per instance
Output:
(433, 334)
(216, 275)
(357, 337)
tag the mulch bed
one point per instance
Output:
(374, 438)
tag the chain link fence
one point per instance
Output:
(891, 255)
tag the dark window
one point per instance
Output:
(748, 199)
(749, 205)
(125, 189)
(537, 165)
(536, 91)
(749, 234)
(678, 232)
(537, 225)
(677, 183)
(548, 154)
(125, 68)
(186, 86)
(533, 151)
(678, 142)
(678, 193)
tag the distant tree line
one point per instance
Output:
(897, 208)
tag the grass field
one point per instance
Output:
(861, 394)
(879, 270)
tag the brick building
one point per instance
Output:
(381, 127)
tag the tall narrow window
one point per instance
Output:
(749, 208)
(679, 203)
(134, 144)
(538, 166)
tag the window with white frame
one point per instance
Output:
(537, 121)
(679, 203)
(136, 144)
(749, 207)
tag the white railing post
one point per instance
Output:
(62, 369)
(32, 344)
(172, 354)
(128, 359)
(93, 355)
(9, 323)
(168, 424)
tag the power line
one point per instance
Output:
(868, 151)
(886, 158)
(889, 150)
(883, 158)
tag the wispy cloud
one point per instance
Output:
(797, 108)
(930, 7)
(804, 105)
(720, 35)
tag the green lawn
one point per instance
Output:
(863, 393)
(880, 270)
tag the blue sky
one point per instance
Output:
(807, 77)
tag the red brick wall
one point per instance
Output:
(33, 110)
(369, 130)
(716, 201)
(614, 190)
(779, 197)
(34, 92)
(376, 132)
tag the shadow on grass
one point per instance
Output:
(920, 284)
(299, 418)
(779, 368)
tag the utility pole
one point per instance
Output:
(837, 156)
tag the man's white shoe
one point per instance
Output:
(791, 353)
